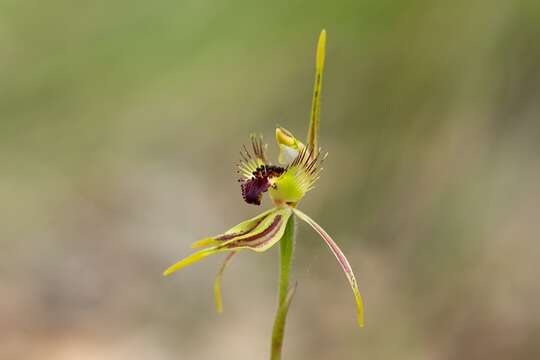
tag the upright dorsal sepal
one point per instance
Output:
(313, 132)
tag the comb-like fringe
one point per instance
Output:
(310, 164)
(251, 160)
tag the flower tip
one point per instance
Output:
(321, 45)
(360, 320)
(168, 272)
(218, 301)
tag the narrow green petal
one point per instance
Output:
(316, 103)
(217, 282)
(342, 261)
(199, 255)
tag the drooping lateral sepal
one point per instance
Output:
(342, 261)
(241, 229)
(265, 235)
(257, 234)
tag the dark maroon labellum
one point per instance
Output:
(253, 188)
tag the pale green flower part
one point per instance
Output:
(289, 146)
(286, 186)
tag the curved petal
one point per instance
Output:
(265, 235)
(217, 282)
(342, 261)
(241, 229)
(257, 234)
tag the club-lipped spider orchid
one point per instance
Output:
(286, 183)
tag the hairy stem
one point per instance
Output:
(285, 293)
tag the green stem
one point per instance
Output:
(285, 294)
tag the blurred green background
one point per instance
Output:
(120, 125)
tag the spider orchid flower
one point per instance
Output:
(286, 184)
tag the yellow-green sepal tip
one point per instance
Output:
(313, 131)
(344, 263)
(199, 255)
(321, 49)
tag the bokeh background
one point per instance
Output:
(120, 125)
